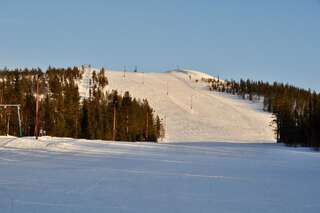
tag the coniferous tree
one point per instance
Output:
(296, 110)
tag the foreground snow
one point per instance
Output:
(68, 175)
(189, 110)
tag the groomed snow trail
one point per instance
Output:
(190, 111)
(68, 175)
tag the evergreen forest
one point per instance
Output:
(296, 111)
(63, 113)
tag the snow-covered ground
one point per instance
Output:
(189, 110)
(67, 175)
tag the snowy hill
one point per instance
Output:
(189, 110)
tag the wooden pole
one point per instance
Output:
(8, 124)
(19, 118)
(36, 129)
(167, 88)
(114, 124)
(147, 126)
(127, 122)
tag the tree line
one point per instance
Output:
(296, 111)
(63, 113)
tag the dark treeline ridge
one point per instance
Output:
(296, 110)
(63, 113)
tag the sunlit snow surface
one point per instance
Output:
(191, 112)
(67, 175)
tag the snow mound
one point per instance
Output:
(189, 110)
(193, 74)
(65, 145)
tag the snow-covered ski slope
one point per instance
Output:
(189, 110)
(69, 175)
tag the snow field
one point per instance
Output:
(68, 175)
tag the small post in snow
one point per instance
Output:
(167, 88)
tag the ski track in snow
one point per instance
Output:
(212, 116)
(72, 175)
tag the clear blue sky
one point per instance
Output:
(268, 40)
